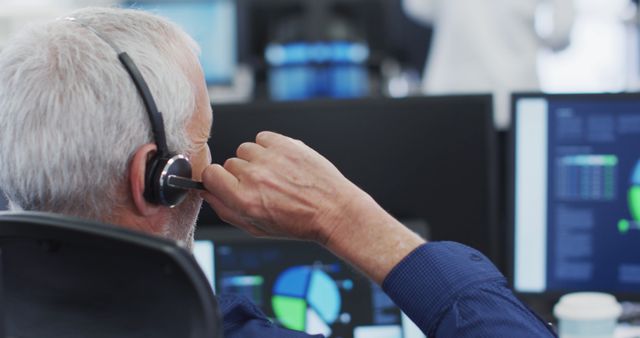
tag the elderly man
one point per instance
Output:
(77, 140)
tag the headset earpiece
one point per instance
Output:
(157, 189)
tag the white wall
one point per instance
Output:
(603, 56)
(15, 14)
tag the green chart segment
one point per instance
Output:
(634, 202)
(624, 226)
(290, 311)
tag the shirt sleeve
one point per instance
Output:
(451, 290)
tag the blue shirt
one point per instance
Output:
(446, 288)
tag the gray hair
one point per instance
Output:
(70, 115)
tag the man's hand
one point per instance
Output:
(279, 187)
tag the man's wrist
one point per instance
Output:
(350, 208)
(370, 239)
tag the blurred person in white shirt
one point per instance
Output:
(482, 46)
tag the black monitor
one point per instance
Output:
(429, 158)
(4, 204)
(301, 286)
(211, 23)
(575, 185)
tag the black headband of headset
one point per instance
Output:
(157, 123)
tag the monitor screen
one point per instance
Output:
(576, 188)
(305, 70)
(300, 286)
(211, 23)
(428, 157)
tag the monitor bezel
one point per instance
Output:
(548, 297)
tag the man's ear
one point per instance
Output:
(137, 171)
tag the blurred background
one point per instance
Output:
(304, 49)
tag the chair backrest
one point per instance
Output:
(67, 277)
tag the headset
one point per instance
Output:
(167, 176)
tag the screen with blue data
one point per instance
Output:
(301, 286)
(211, 23)
(577, 193)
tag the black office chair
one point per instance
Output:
(67, 277)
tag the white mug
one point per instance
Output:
(587, 315)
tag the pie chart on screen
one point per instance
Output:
(634, 194)
(625, 226)
(307, 299)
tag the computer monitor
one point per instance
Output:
(4, 204)
(300, 285)
(426, 157)
(382, 24)
(211, 23)
(576, 193)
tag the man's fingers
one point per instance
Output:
(220, 182)
(269, 138)
(236, 166)
(232, 217)
(225, 212)
(249, 151)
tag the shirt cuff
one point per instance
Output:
(428, 281)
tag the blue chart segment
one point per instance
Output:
(323, 296)
(635, 178)
(305, 298)
(293, 282)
